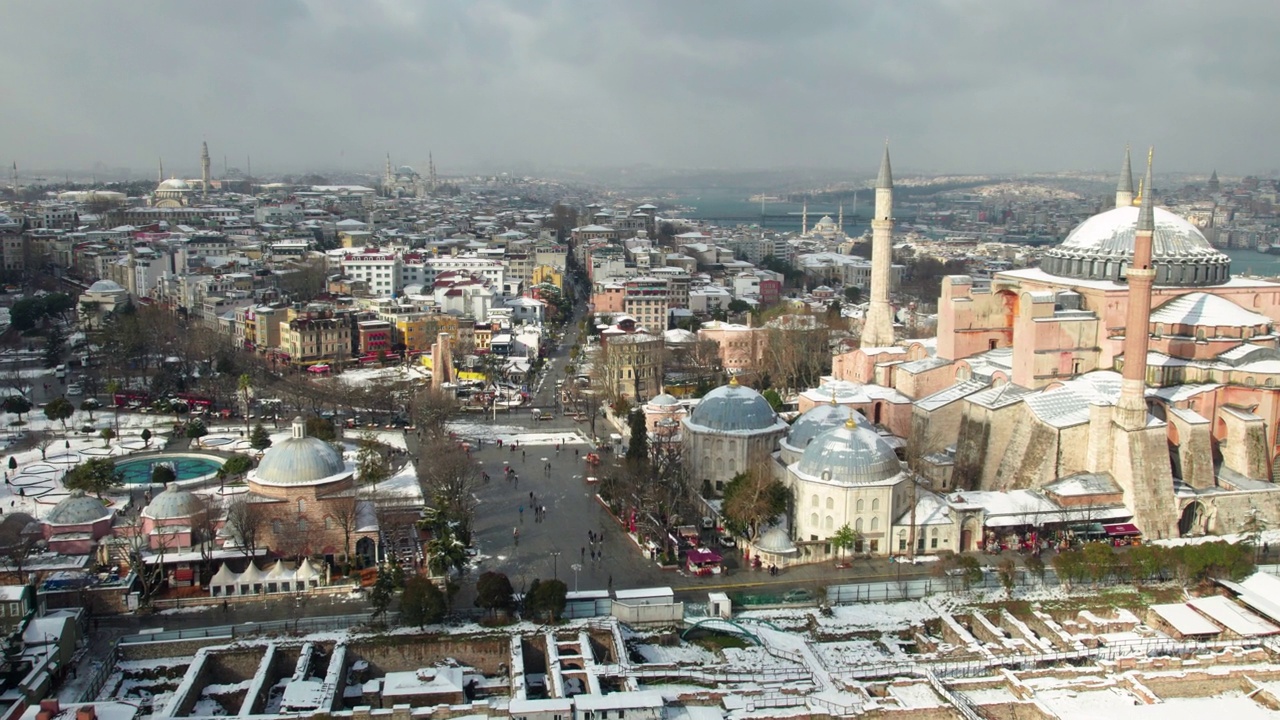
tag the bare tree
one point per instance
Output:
(345, 510)
(204, 530)
(448, 479)
(44, 440)
(16, 553)
(432, 409)
(244, 521)
(137, 551)
(922, 444)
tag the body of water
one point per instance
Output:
(138, 472)
(1252, 262)
(732, 207)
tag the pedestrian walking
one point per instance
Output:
(521, 513)
(530, 496)
(583, 554)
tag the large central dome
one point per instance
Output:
(300, 460)
(848, 455)
(1101, 248)
(734, 408)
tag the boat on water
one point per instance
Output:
(1268, 249)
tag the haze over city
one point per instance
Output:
(956, 86)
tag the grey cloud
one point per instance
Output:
(958, 85)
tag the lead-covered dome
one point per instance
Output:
(106, 286)
(300, 460)
(173, 503)
(818, 420)
(848, 455)
(1101, 248)
(734, 408)
(77, 509)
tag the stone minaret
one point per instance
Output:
(877, 331)
(1124, 189)
(1132, 408)
(840, 222)
(804, 219)
(161, 176)
(204, 169)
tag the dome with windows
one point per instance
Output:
(848, 455)
(734, 408)
(1101, 247)
(105, 286)
(300, 460)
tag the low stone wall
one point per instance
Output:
(403, 653)
(168, 648)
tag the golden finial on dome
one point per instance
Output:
(850, 423)
(733, 381)
(1137, 199)
(833, 398)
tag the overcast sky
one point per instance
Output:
(980, 86)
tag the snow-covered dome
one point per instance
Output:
(734, 408)
(848, 455)
(105, 286)
(818, 420)
(775, 541)
(77, 509)
(1101, 247)
(300, 460)
(664, 400)
(173, 184)
(174, 502)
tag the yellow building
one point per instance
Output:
(311, 340)
(549, 275)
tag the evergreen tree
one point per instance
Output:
(385, 587)
(422, 603)
(259, 439)
(638, 445)
(59, 409)
(54, 342)
(94, 476)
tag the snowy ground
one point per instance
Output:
(510, 434)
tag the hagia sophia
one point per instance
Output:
(1129, 380)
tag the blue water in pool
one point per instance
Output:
(138, 472)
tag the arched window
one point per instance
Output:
(328, 523)
(875, 524)
(831, 504)
(302, 525)
(875, 504)
(814, 501)
(828, 522)
(857, 525)
(276, 528)
(302, 506)
(934, 532)
(860, 504)
(813, 520)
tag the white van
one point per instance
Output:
(60, 371)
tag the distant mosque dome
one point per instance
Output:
(173, 184)
(848, 455)
(664, 400)
(106, 286)
(1101, 248)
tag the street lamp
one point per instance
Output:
(555, 566)
(577, 568)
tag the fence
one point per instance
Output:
(100, 674)
(276, 627)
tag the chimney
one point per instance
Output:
(86, 712)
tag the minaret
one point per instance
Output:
(1124, 189)
(431, 169)
(840, 221)
(204, 169)
(877, 330)
(804, 219)
(1131, 411)
(161, 177)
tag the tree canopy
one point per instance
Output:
(494, 592)
(94, 476)
(753, 500)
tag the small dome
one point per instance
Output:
(77, 509)
(105, 286)
(299, 461)
(1100, 247)
(848, 455)
(174, 502)
(734, 407)
(775, 540)
(664, 400)
(818, 420)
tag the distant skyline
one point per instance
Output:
(999, 86)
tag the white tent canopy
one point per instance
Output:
(253, 581)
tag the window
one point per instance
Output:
(859, 504)
(874, 546)
(933, 543)
(875, 524)
(302, 525)
(328, 523)
(831, 504)
(857, 525)
(13, 609)
(302, 506)
(813, 519)
(875, 504)
(813, 501)
(829, 523)
(276, 528)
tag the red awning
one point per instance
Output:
(1122, 529)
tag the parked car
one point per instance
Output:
(727, 540)
(74, 390)
(799, 595)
